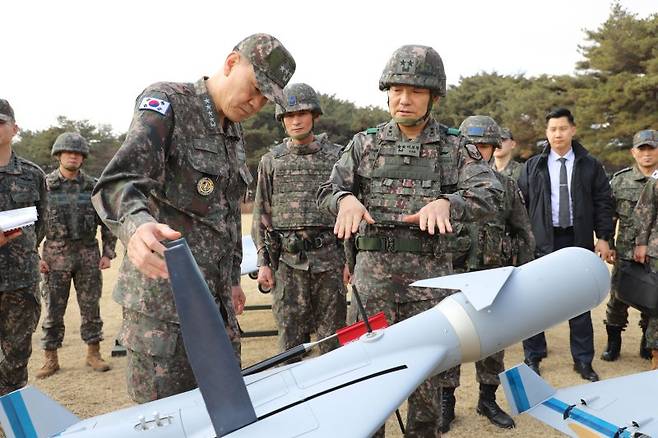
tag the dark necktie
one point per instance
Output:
(564, 213)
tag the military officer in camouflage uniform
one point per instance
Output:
(504, 156)
(505, 240)
(646, 223)
(182, 172)
(70, 252)
(627, 184)
(22, 184)
(308, 294)
(402, 187)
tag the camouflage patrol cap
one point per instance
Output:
(418, 66)
(481, 129)
(298, 97)
(647, 136)
(272, 62)
(506, 134)
(70, 142)
(6, 111)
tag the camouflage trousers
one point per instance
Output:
(157, 365)
(652, 334)
(55, 289)
(423, 404)
(19, 316)
(486, 371)
(306, 302)
(616, 312)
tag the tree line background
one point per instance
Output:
(613, 94)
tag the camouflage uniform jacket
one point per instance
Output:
(312, 163)
(72, 220)
(178, 166)
(646, 217)
(513, 169)
(465, 180)
(22, 184)
(517, 222)
(504, 241)
(626, 185)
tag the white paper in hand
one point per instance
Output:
(17, 218)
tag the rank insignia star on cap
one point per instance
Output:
(154, 104)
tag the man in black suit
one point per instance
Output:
(568, 199)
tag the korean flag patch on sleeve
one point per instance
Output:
(154, 104)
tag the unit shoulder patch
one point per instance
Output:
(473, 151)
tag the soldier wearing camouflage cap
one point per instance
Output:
(506, 240)
(305, 275)
(646, 226)
(70, 253)
(627, 185)
(403, 188)
(182, 172)
(504, 156)
(22, 184)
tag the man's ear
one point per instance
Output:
(232, 60)
(436, 100)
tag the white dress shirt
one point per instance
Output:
(554, 173)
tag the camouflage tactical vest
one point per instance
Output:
(627, 185)
(71, 216)
(399, 177)
(295, 181)
(491, 245)
(20, 186)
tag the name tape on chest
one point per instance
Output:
(154, 104)
(408, 148)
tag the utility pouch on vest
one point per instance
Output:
(457, 243)
(510, 250)
(274, 247)
(492, 246)
(638, 287)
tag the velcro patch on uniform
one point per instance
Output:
(654, 174)
(473, 151)
(154, 104)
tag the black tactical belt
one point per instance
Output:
(297, 245)
(392, 244)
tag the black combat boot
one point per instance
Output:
(611, 352)
(488, 407)
(447, 408)
(645, 353)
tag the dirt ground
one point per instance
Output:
(87, 393)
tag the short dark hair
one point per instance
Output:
(560, 112)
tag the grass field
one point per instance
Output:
(88, 393)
